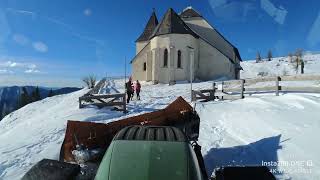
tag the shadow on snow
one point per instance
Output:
(253, 154)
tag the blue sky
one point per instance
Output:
(56, 43)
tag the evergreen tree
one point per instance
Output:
(269, 55)
(258, 58)
(35, 95)
(51, 93)
(24, 98)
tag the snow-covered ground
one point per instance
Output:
(266, 129)
(279, 66)
(257, 129)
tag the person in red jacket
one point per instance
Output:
(137, 89)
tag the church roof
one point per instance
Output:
(189, 12)
(151, 25)
(172, 23)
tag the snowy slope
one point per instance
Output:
(279, 66)
(37, 130)
(243, 132)
(263, 129)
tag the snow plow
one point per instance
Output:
(99, 135)
(152, 146)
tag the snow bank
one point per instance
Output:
(266, 129)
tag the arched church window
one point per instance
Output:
(144, 66)
(165, 58)
(179, 59)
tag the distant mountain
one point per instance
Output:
(9, 96)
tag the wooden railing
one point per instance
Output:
(97, 87)
(236, 89)
(116, 100)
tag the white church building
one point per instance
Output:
(168, 51)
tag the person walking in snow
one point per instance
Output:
(129, 90)
(133, 89)
(137, 88)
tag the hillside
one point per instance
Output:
(9, 96)
(260, 128)
(279, 66)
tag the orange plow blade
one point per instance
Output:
(92, 136)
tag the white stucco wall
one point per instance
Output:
(213, 64)
(137, 65)
(209, 63)
(140, 46)
(177, 42)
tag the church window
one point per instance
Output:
(179, 59)
(165, 58)
(144, 66)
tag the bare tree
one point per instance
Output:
(258, 58)
(86, 81)
(290, 57)
(269, 55)
(299, 52)
(296, 64)
(90, 81)
(93, 80)
(298, 60)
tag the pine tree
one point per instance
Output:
(51, 93)
(269, 55)
(258, 58)
(37, 94)
(24, 98)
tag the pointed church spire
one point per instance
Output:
(151, 25)
(189, 12)
(172, 23)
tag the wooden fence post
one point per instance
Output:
(192, 96)
(222, 86)
(80, 105)
(214, 90)
(277, 85)
(222, 89)
(242, 88)
(124, 104)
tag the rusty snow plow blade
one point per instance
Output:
(96, 137)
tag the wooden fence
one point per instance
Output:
(116, 100)
(97, 87)
(236, 89)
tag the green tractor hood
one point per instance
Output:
(146, 160)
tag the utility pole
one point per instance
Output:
(191, 55)
(125, 71)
